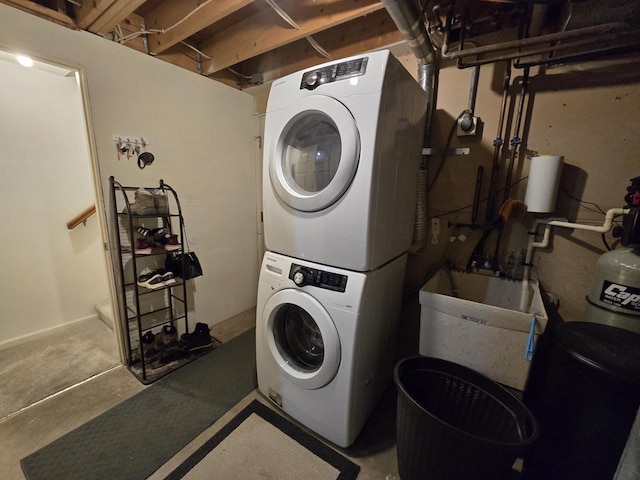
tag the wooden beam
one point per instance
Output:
(90, 11)
(113, 15)
(266, 30)
(41, 11)
(129, 25)
(364, 34)
(170, 12)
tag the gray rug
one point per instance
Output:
(138, 436)
(260, 444)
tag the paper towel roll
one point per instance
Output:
(542, 187)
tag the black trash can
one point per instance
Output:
(454, 423)
(585, 399)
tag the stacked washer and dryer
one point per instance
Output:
(343, 143)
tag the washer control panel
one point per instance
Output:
(332, 73)
(302, 276)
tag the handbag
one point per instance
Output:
(184, 265)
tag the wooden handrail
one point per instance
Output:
(81, 217)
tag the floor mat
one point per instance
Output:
(136, 437)
(277, 449)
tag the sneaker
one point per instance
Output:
(161, 202)
(170, 242)
(198, 339)
(151, 233)
(151, 280)
(143, 204)
(168, 278)
(143, 246)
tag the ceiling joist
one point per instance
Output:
(266, 30)
(179, 23)
(113, 15)
(364, 34)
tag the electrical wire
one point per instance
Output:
(317, 47)
(449, 212)
(203, 4)
(122, 39)
(238, 74)
(196, 50)
(444, 155)
(583, 203)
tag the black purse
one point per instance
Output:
(184, 265)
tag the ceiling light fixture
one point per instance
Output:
(24, 60)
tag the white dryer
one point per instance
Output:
(325, 341)
(343, 143)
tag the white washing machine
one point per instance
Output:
(325, 341)
(343, 144)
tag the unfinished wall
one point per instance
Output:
(201, 133)
(585, 113)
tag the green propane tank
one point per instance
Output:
(614, 298)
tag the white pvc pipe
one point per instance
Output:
(544, 243)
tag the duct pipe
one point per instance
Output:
(410, 24)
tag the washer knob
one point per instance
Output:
(298, 278)
(312, 78)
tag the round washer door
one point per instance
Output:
(315, 158)
(302, 338)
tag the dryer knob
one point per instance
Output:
(312, 78)
(298, 278)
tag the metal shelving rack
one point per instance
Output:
(143, 310)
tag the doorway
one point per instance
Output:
(55, 277)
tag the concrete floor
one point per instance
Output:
(45, 421)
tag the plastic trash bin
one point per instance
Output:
(585, 398)
(454, 423)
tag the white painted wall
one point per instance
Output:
(51, 275)
(201, 133)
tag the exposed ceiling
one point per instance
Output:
(246, 42)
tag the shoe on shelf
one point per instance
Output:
(149, 346)
(143, 246)
(151, 233)
(200, 338)
(154, 279)
(143, 203)
(170, 242)
(150, 279)
(160, 201)
(167, 337)
(168, 278)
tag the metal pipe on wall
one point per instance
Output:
(410, 24)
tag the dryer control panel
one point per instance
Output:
(332, 73)
(302, 276)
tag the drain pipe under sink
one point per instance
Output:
(410, 24)
(544, 243)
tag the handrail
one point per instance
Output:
(81, 217)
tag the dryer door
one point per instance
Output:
(302, 338)
(314, 160)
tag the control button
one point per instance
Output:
(298, 278)
(312, 78)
